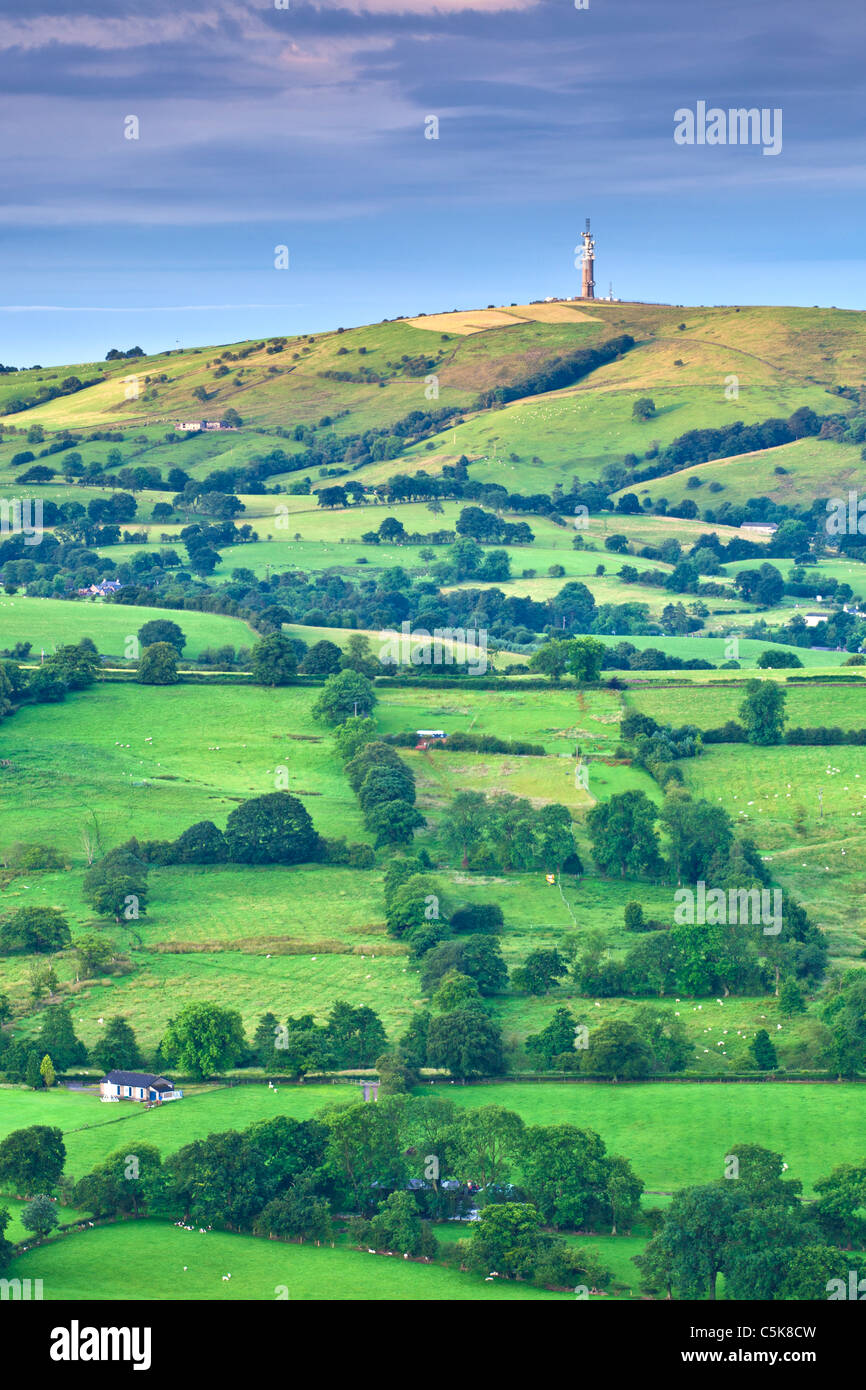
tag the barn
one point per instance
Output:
(137, 1085)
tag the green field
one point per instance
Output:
(565, 430)
(792, 474)
(211, 747)
(307, 935)
(147, 1260)
(806, 706)
(673, 1135)
(122, 759)
(49, 623)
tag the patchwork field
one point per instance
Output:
(294, 939)
(354, 407)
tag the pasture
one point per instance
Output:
(211, 748)
(805, 705)
(295, 939)
(576, 431)
(49, 623)
(152, 1260)
(791, 474)
(673, 1134)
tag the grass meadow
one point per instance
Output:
(295, 939)
(805, 705)
(673, 1134)
(171, 1263)
(792, 474)
(576, 431)
(49, 623)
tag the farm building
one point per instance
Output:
(102, 589)
(428, 736)
(137, 1085)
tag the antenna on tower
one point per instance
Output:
(587, 290)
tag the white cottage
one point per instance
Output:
(137, 1085)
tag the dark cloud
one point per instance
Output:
(313, 116)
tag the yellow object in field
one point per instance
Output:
(551, 878)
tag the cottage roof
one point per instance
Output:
(139, 1078)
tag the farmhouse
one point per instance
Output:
(137, 1085)
(428, 736)
(101, 590)
(203, 425)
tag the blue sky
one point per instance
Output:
(304, 127)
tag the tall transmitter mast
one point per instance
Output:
(587, 289)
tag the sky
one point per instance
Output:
(308, 127)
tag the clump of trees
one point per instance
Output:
(496, 833)
(383, 783)
(752, 1226)
(272, 829)
(397, 1166)
(34, 930)
(352, 1037)
(581, 657)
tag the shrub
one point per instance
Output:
(201, 843)
(478, 917)
(355, 856)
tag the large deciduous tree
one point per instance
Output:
(204, 1039)
(162, 630)
(349, 693)
(467, 1042)
(271, 829)
(31, 1160)
(158, 665)
(623, 835)
(763, 712)
(34, 929)
(274, 660)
